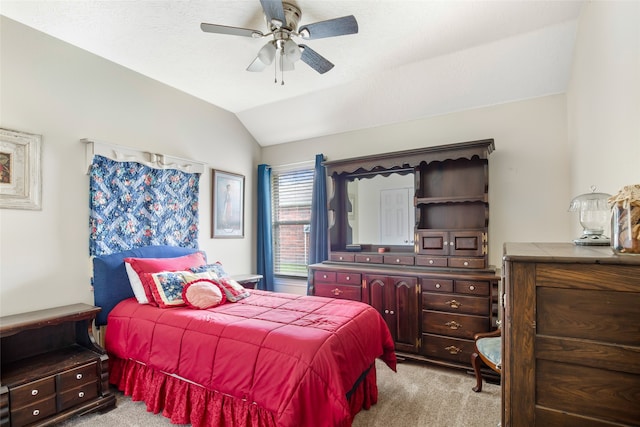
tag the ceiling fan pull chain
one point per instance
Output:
(282, 67)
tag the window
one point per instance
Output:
(291, 191)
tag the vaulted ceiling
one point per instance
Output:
(409, 59)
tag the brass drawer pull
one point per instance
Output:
(34, 392)
(452, 349)
(453, 325)
(336, 292)
(453, 303)
(78, 376)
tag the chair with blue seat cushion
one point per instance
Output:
(488, 350)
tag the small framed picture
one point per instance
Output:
(228, 205)
(20, 170)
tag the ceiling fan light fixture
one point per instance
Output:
(267, 53)
(291, 51)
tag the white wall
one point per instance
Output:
(604, 98)
(63, 93)
(549, 149)
(529, 190)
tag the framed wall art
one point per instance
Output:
(20, 170)
(228, 205)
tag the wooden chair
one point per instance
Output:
(488, 349)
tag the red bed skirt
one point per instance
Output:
(187, 403)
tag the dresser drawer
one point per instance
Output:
(32, 392)
(33, 412)
(348, 278)
(472, 287)
(431, 261)
(399, 259)
(437, 285)
(467, 262)
(451, 349)
(342, 257)
(324, 276)
(338, 291)
(78, 395)
(455, 325)
(369, 258)
(455, 303)
(79, 376)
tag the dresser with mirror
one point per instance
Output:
(408, 235)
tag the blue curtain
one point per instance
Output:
(265, 236)
(319, 239)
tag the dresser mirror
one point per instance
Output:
(382, 211)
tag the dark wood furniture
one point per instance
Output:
(52, 369)
(436, 293)
(571, 336)
(482, 342)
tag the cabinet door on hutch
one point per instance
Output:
(397, 299)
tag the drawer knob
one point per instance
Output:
(81, 394)
(340, 258)
(450, 243)
(466, 263)
(336, 291)
(391, 312)
(438, 286)
(324, 276)
(472, 288)
(430, 261)
(78, 376)
(36, 412)
(34, 392)
(386, 312)
(453, 303)
(348, 277)
(452, 349)
(367, 259)
(397, 259)
(453, 325)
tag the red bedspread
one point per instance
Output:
(294, 356)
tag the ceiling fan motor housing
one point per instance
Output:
(292, 15)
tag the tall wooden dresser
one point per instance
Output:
(571, 337)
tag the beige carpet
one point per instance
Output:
(417, 395)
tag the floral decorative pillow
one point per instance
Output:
(136, 267)
(166, 287)
(212, 268)
(232, 289)
(203, 294)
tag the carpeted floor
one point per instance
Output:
(418, 395)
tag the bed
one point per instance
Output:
(268, 359)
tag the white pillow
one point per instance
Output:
(136, 284)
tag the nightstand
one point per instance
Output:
(249, 281)
(52, 369)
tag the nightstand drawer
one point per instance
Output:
(33, 412)
(79, 376)
(32, 392)
(78, 395)
(338, 291)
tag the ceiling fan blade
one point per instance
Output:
(233, 31)
(315, 60)
(330, 28)
(274, 11)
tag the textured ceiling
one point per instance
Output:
(410, 59)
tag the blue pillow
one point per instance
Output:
(110, 281)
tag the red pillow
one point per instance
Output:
(156, 265)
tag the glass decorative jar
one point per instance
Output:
(625, 220)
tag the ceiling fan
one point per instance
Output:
(282, 21)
